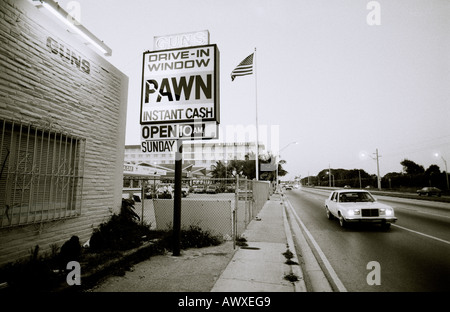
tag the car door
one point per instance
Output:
(332, 204)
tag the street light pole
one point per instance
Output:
(277, 160)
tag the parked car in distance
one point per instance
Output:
(200, 188)
(347, 187)
(230, 188)
(288, 187)
(184, 190)
(358, 206)
(211, 189)
(429, 191)
(162, 193)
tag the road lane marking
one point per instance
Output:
(423, 234)
(419, 211)
(322, 256)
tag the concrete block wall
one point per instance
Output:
(48, 77)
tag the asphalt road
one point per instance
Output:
(413, 256)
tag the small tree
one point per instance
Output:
(267, 167)
(410, 167)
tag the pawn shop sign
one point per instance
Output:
(180, 85)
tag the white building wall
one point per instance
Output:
(41, 84)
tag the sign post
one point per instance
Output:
(177, 199)
(179, 101)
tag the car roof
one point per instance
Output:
(351, 190)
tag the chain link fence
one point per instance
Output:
(223, 207)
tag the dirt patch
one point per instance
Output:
(195, 270)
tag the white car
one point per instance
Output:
(358, 206)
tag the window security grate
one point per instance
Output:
(41, 174)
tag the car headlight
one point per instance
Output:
(354, 212)
(386, 212)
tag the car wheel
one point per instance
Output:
(329, 215)
(342, 221)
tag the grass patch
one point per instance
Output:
(190, 237)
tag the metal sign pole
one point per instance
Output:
(177, 198)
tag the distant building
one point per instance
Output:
(199, 154)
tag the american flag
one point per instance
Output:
(244, 68)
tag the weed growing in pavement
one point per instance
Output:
(290, 262)
(289, 255)
(241, 241)
(291, 277)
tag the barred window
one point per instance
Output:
(41, 174)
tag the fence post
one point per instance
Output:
(142, 201)
(247, 212)
(236, 204)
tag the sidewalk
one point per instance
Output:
(260, 266)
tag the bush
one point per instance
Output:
(33, 274)
(121, 232)
(191, 237)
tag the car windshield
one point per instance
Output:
(354, 197)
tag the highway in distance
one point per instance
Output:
(413, 255)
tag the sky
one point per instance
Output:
(342, 78)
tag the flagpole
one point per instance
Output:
(256, 113)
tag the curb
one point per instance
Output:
(299, 286)
(314, 273)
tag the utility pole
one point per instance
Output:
(329, 175)
(378, 169)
